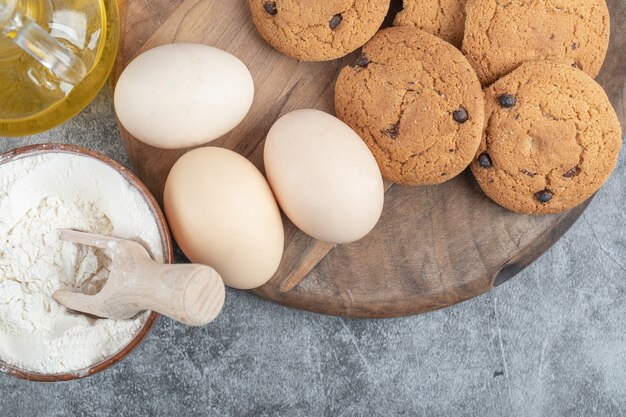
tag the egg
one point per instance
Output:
(183, 95)
(324, 176)
(222, 213)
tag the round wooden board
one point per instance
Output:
(434, 246)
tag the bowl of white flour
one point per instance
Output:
(44, 188)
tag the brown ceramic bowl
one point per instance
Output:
(166, 243)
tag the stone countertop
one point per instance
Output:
(551, 342)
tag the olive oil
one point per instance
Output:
(34, 98)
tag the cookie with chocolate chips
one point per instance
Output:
(416, 102)
(551, 139)
(313, 30)
(443, 18)
(502, 34)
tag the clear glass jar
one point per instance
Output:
(55, 56)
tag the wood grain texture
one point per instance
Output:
(190, 294)
(434, 247)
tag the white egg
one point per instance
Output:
(183, 95)
(222, 213)
(324, 177)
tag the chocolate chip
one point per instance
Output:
(507, 101)
(460, 115)
(575, 65)
(392, 131)
(571, 173)
(335, 21)
(484, 160)
(527, 172)
(270, 8)
(544, 196)
(363, 61)
(574, 46)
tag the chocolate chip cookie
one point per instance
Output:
(551, 140)
(313, 30)
(502, 34)
(443, 18)
(416, 102)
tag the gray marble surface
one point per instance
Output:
(551, 342)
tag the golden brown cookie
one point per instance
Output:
(502, 34)
(552, 139)
(314, 30)
(416, 102)
(442, 18)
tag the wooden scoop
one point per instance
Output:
(190, 294)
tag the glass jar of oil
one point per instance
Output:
(55, 56)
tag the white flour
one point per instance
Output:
(39, 195)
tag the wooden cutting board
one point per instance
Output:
(434, 246)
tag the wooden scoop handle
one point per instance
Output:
(190, 294)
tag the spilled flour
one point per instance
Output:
(38, 196)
